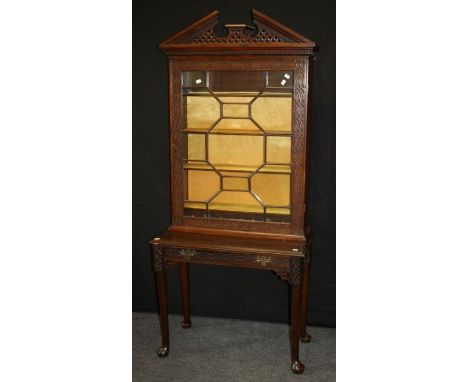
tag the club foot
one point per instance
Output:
(186, 324)
(306, 338)
(163, 351)
(297, 367)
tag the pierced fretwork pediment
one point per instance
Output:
(266, 36)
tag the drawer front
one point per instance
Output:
(226, 258)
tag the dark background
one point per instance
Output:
(219, 291)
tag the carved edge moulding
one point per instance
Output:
(288, 268)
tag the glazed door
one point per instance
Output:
(236, 133)
(237, 144)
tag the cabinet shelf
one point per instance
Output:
(231, 207)
(286, 133)
(195, 92)
(267, 169)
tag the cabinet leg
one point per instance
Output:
(185, 284)
(305, 337)
(163, 312)
(295, 282)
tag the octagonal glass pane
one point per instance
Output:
(202, 110)
(273, 113)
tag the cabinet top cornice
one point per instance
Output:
(266, 37)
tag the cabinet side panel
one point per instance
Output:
(176, 123)
(299, 145)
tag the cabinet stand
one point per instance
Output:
(290, 260)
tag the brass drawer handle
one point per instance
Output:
(187, 253)
(264, 260)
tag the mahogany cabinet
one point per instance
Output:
(238, 128)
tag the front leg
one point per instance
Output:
(305, 337)
(160, 273)
(185, 286)
(295, 277)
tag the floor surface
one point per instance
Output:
(225, 350)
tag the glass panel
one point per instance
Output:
(236, 126)
(195, 205)
(236, 110)
(278, 149)
(280, 80)
(235, 184)
(236, 152)
(272, 189)
(237, 129)
(227, 100)
(238, 81)
(194, 79)
(277, 210)
(202, 185)
(246, 174)
(202, 111)
(273, 113)
(195, 146)
(235, 201)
